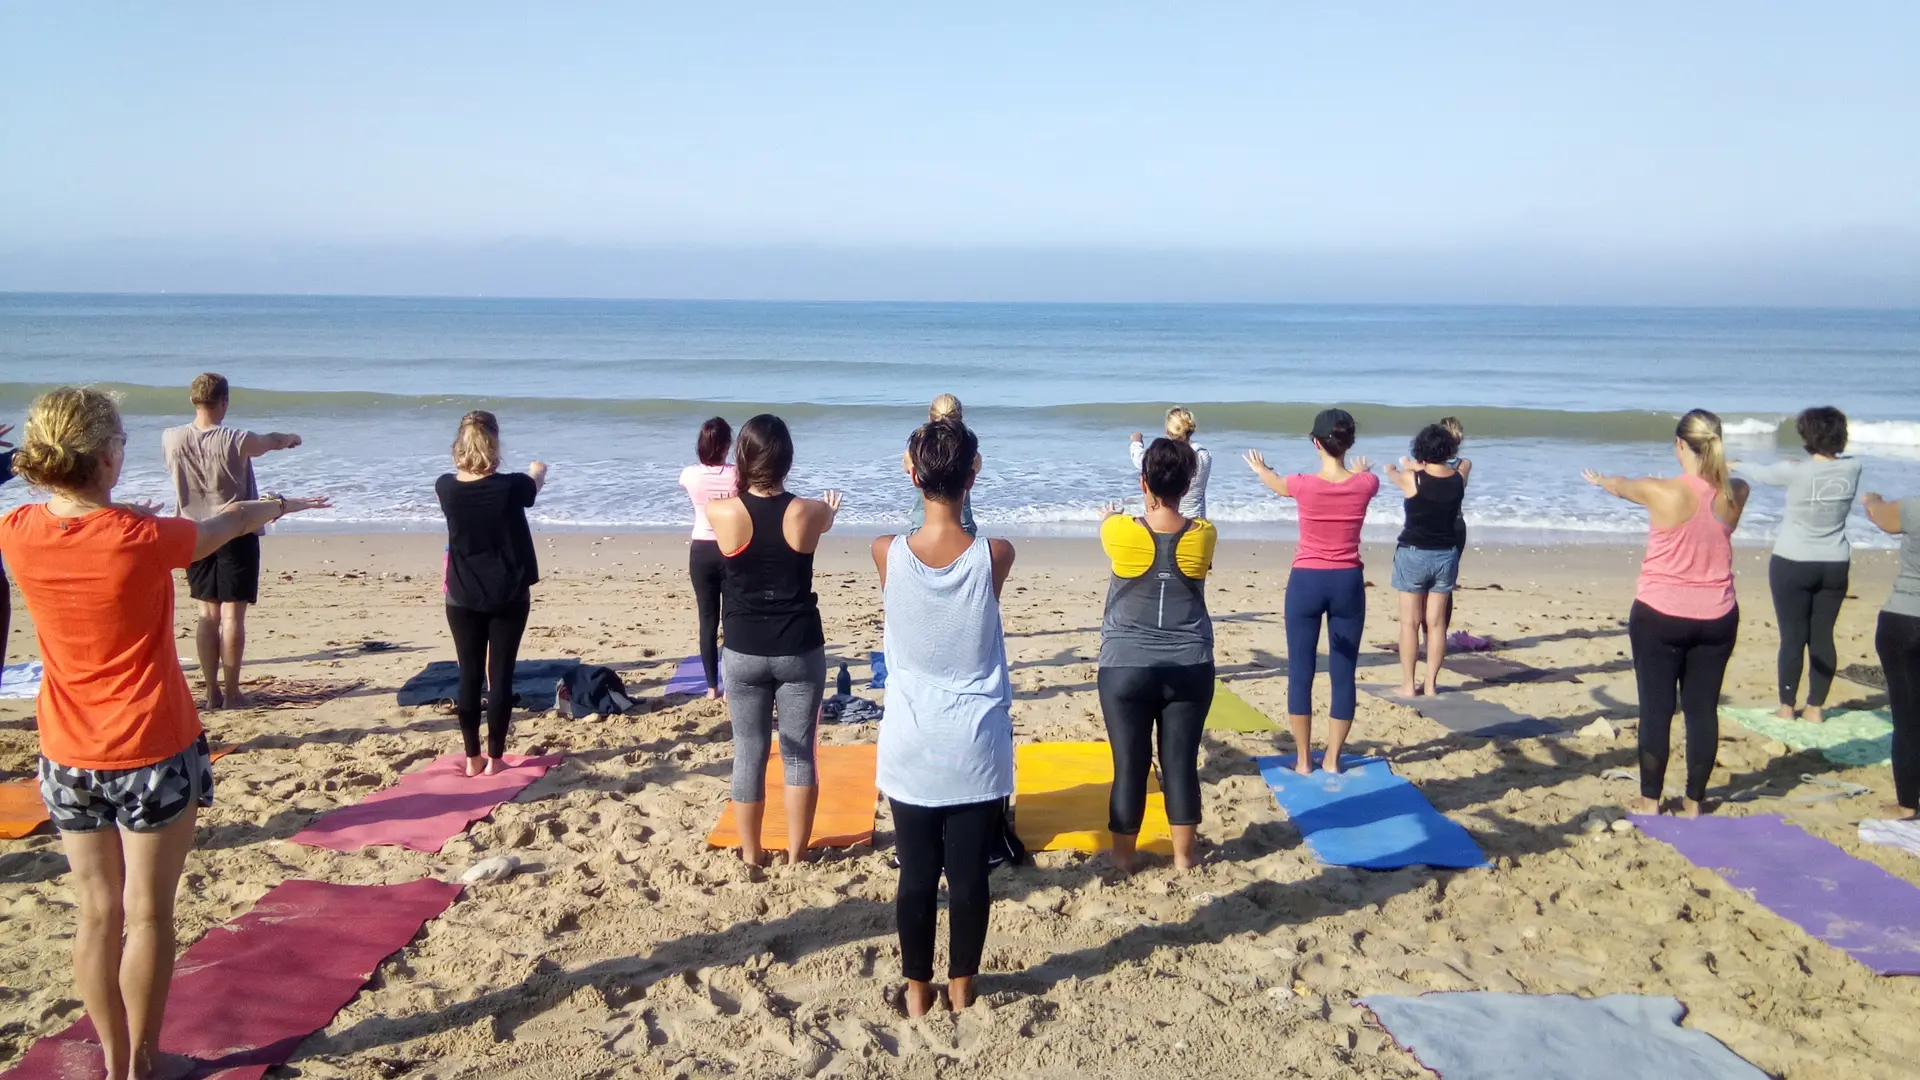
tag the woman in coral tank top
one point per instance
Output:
(1684, 617)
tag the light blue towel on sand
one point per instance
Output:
(1482, 1035)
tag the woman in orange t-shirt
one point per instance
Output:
(124, 767)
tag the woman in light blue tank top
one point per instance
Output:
(946, 738)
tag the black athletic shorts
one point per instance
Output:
(230, 575)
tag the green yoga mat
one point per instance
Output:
(1848, 738)
(1231, 712)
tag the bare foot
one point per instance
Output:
(1124, 866)
(237, 700)
(1433, 690)
(1644, 805)
(919, 998)
(1331, 763)
(1814, 714)
(1784, 712)
(1304, 766)
(214, 702)
(960, 993)
(475, 765)
(163, 1067)
(713, 694)
(752, 858)
(1899, 813)
(1407, 689)
(1692, 808)
(496, 766)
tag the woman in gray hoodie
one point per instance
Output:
(1811, 555)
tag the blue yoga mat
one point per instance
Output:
(879, 661)
(1366, 816)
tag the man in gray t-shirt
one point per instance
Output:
(212, 465)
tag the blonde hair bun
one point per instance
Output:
(67, 435)
(1180, 423)
(944, 407)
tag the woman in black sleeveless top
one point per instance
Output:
(774, 659)
(1427, 562)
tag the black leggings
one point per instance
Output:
(1132, 699)
(487, 643)
(709, 571)
(1690, 654)
(1898, 642)
(957, 839)
(1806, 599)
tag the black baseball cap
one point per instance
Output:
(1331, 420)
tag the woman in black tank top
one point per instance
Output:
(1426, 565)
(773, 660)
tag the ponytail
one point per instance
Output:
(1700, 430)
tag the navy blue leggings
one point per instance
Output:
(1340, 596)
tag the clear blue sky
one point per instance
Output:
(1500, 138)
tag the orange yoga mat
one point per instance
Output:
(1060, 793)
(22, 811)
(844, 816)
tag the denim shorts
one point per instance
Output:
(1424, 570)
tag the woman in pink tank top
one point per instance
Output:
(1684, 618)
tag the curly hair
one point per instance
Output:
(1823, 430)
(1435, 445)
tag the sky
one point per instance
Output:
(1704, 152)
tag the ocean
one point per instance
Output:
(611, 394)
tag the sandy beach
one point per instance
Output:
(625, 947)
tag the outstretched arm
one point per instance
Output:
(1883, 513)
(1274, 481)
(240, 518)
(1001, 552)
(882, 545)
(256, 444)
(537, 472)
(1642, 490)
(1402, 477)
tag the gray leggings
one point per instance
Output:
(755, 684)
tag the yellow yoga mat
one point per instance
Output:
(1060, 799)
(1231, 712)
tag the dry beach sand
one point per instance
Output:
(625, 948)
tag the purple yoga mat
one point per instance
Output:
(1852, 905)
(689, 678)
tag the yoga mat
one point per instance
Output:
(1231, 712)
(246, 995)
(1490, 668)
(22, 810)
(1484, 1035)
(1459, 711)
(1367, 816)
(1847, 738)
(427, 808)
(1060, 799)
(690, 678)
(21, 681)
(844, 815)
(1848, 903)
(878, 661)
(1903, 834)
(533, 682)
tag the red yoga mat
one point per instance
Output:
(426, 808)
(249, 992)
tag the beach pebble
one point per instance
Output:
(1596, 823)
(1599, 729)
(490, 870)
(1623, 826)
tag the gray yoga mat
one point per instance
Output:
(1458, 710)
(1484, 1035)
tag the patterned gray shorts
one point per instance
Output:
(140, 800)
